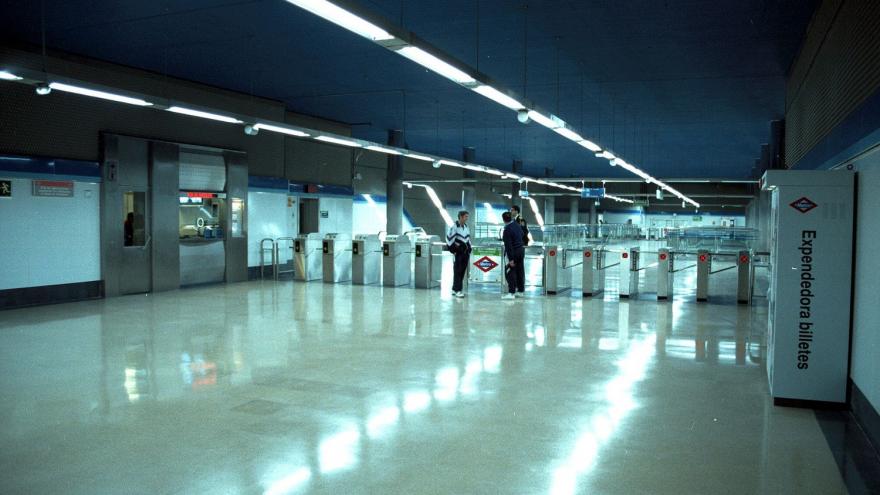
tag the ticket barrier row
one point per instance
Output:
(594, 271)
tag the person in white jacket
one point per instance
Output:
(458, 241)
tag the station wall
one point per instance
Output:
(49, 241)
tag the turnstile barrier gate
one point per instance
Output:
(665, 273)
(704, 266)
(396, 261)
(744, 277)
(428, 262)
(366, 259)
(593, 274)
(557, 271)
(629, 273)
(337, 258)
(307, 257)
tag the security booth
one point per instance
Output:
(336, 251)
(629, 273)
(366, 259)
(811, 241)
(704, 267)
(397, 251)
(744, 277)
(428, 262)
(665, 273)
(307, 257)
(593, 274)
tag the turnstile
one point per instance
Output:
(593, 274)
(744, 277)
(629, 273)
(337, 258)
(665, 273)
(557, 273)
(366, 258)
(396, 261)
(307, 257)
(704, 266)
(428, 262)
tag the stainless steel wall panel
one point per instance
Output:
(202, 171)
(236, 190)
(164, 193)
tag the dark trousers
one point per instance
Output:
(459, 268)
(516, 274)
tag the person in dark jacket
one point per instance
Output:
(515, 250)
(520, 269)
(458, 241)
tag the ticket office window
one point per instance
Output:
(134, 210)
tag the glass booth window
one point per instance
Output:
(238, 220)
(202, 215)
(134, 206)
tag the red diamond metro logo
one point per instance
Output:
(486, 264)
(803, 205)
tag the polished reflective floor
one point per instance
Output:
(284, 387)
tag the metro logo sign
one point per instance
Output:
(803, 204)
(486, 264)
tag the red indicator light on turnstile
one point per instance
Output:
(552, 253)
(702, 258)
(662, 256)
(587, 254)
(624, 255)
(744, 258)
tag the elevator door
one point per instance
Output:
(135, 269)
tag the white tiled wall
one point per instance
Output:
(49, 241)
(267, 217)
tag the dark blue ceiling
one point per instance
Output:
(682, 88)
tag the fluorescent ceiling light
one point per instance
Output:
(343, 18)
(382, 149)
(606, 154)
(498, 97)
(511, 176)
(433, 63)
(8, 76)
(595, 148)
(543, 119)
(204, 115)
(419, 157)
(451, 163)
(568, 133)
(343, 142)
(475, 168)
(618, 199)
(99, 94)
(494, 172)
(282, 130)
(538, 217)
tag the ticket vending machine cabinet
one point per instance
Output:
(428, 252)
(593, 274)
(397, 251)
(629, 273)
(744, 277)
(366, 259)
(664, 274)
(337, 258)
(811, 240)
(704, 267)
(307, 257)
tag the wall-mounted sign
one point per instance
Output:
(523, 193)
(5, 188)
(697, 218)
(201, 194)
(325, 214)
(53, 188)
(593, 192)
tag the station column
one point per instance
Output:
(394, 186)
(469, 189)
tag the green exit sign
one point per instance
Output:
(697, 218)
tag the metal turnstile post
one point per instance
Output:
(337, 258)
(557, 274)
(744, 277)
(427, 273)
(593, 274)
(366, 260)
(704, 266)
(665, 274)
(307, 257)
(629, 273)
(396, 261)
(273, 250)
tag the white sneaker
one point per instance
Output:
(458, 294)
(520, 294)
(508, 296)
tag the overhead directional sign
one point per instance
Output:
(593, 192)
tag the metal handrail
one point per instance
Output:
(272, 249)
(277, 257)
